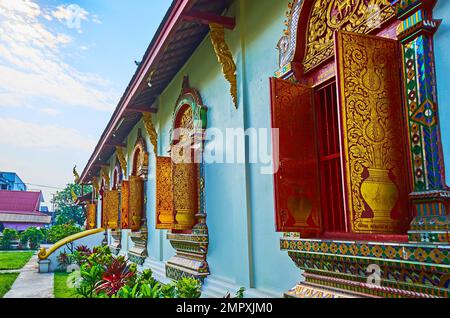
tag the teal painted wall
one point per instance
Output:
(442, 41)
(244, 247)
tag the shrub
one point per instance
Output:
(33, 236)
(59, 232)
(103, 276)
(9, 235)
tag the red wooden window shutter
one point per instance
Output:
(296, 183)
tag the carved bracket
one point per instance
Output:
(225, 57)
(122, 160)
(105, 175)
(151, 131)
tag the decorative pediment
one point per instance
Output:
(140, 157)
(320, 19)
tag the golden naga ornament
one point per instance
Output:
(151, 131)
(122, 160)
(225, 57)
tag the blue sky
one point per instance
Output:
(64, 66)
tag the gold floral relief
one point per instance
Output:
(327, 16)
(111, 201)
(185, 178)
(125, 204)
(136, 203)
(91, 216)
(164, 194)
(371, 108)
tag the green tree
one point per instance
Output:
(65, 208)
(9, 235)
(33, 236)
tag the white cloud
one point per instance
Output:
(23, 134)
(50, 111)
(32, 62)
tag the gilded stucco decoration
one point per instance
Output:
(359, 16)
(371, 107)
(327, 16)
(185, 195)
(151, 131)
(140, 157)
(225, 57)
(122, 160)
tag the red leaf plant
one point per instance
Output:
(84, 250)
(117, 275)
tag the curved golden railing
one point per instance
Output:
(44, 254)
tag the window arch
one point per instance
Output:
(326, 113)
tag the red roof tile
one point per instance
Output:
(20, 202)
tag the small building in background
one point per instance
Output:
(20, 210)
(11, 181)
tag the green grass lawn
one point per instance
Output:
(60, 288)
(6, 281)
(14, 260)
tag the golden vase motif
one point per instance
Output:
(380, 193)
(300, 207)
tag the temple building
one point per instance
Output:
(292, 148)
(20, 210)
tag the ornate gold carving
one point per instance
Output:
(164, 194)
(369, 82)
(185, 178)
(347, 15)
(136, 202)
(151, 131)
(105, 176)
(111, 201)
(225, 57)
(91, 215)
(125, 204)
(122, 160)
